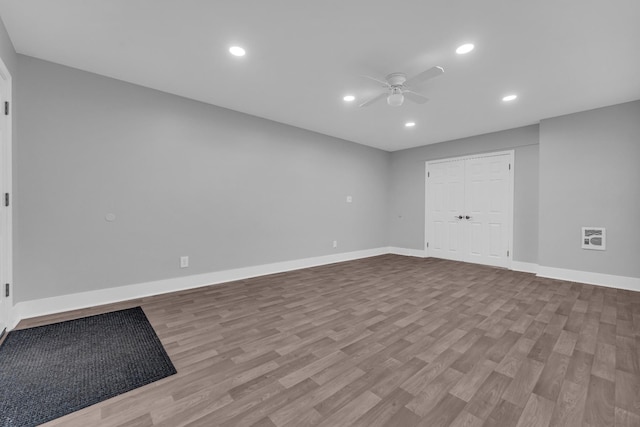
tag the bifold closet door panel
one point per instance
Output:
(446, 203)
(486, 205)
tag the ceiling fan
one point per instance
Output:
(398, 85)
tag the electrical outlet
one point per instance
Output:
(335, 243)
(184, 261)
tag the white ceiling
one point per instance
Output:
(559, 56)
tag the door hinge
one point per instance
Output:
(427, 244)
(509, 166)
(6, 108)
(6, 290)
(507, 253)
(6, 199)
(428, 174)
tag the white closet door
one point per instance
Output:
(446, 193)
(469, 206)
(486, 205)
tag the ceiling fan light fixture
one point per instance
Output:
(395, 99)
(465, 48)
(349, 98)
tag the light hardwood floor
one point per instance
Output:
(387, 341)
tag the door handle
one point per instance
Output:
(459, 216)
(467, 217)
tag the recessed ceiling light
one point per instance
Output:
(237, 51)
(349, 98)
(509, 98)
(410, 124)
(465, 48)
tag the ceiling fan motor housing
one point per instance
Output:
(396, 79)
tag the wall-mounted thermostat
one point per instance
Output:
(594, 238)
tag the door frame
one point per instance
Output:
(6, 178)
(510, 196)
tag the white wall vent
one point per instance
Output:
(594, 238)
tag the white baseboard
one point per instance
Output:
(407, 252)
(58, 304)
(607, 280)
(525, 267)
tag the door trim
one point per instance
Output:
(510, 196)
(6, 187)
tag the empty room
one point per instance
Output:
(330, 213)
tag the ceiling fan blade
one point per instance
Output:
(415, 97)
(425, 75)
(372, 100)
(383, 83)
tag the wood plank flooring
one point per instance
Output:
(387, 341)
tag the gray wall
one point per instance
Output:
(407, 215)
(183, 178)
(590, 176)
